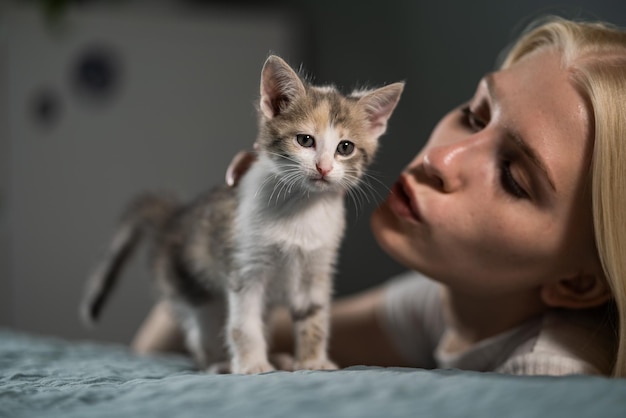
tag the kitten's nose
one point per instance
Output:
(323, 170)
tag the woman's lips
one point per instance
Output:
(403, 202)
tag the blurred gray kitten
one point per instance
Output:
(224, 260)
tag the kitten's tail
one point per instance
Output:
(146, 213)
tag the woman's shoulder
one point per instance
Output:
(414, 298)
(568, 342)
(411, 281)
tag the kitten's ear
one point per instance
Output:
(379, 105)
(280, 85)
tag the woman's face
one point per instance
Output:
(498, 200)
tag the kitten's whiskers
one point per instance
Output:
(287, 182)
(360, 190)
(267, 180)
(284, 181)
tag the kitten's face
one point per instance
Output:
(318, 139)
(321, 142)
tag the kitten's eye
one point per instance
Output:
(307, 141)
(345, 148)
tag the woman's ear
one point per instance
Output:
(239, 165)
(584, 291)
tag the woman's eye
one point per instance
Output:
(509, 183)
(345, 148)
(471, 120)
(305, 140)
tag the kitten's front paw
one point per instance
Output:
(315, 364)
(253, 368)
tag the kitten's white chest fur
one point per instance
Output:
(287, 218)
(320, 225)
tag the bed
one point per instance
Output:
(42, 376)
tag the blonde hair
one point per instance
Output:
(595, 56)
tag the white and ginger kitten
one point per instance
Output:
(227, 258)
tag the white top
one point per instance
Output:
(557, 343)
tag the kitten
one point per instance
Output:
(226, 259)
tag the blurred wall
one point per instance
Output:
(6, 313)
(440, 49)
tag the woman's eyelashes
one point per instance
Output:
(507, 180)
(472, 120)
(509, 183)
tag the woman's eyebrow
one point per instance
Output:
(516, 138)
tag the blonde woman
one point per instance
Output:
(512, 215)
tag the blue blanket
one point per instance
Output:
(49, 377)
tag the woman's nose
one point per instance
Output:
(448, 167)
